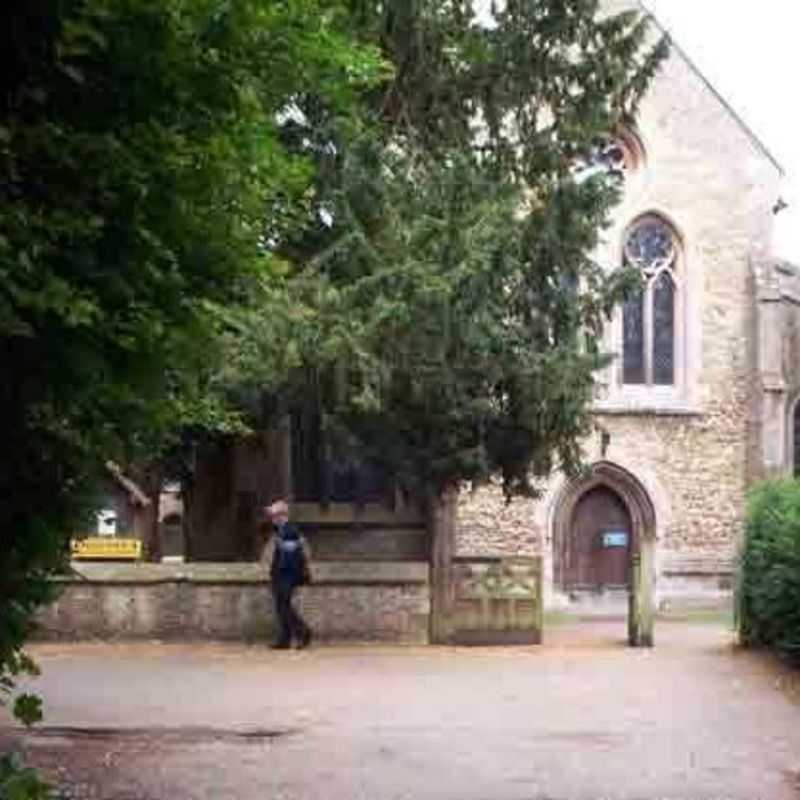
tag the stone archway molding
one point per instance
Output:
(641, 604)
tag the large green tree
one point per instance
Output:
(446, 308)
(141, 173)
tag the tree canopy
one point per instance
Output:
(141, 169)
(446, 305)
(370, 203)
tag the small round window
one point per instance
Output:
(618, 156)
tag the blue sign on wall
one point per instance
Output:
(615, 539)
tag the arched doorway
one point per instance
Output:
(595, 553)
(604, 531)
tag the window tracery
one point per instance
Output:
(649, 316)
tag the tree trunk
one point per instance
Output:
(151, 480)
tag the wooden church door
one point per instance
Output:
(597, 550)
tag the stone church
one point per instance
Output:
(699, 402)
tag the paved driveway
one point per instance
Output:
(581, 717)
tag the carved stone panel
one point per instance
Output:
(497, 601)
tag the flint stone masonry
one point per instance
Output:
(378, 601)
(487, 525)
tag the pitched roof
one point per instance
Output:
(748, 131)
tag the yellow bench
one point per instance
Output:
(107, 548)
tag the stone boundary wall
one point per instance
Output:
(696, 580)
(348, 601)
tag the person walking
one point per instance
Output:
(289, 569)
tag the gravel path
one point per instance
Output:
(583, 717)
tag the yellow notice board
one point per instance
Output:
(106, 547)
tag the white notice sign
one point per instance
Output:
(107, 522)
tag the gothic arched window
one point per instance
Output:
(649, 317)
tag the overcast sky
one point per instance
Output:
(750, 53)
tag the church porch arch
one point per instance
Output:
(624, 501)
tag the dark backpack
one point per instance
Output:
(290, 558)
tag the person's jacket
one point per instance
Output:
(289, 556)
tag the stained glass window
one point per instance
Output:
(648, 319)
(633, 339)
(664, 331)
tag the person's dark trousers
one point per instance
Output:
(290, 624)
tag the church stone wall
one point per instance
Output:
(779, 354)
(488, 525)
(695, 449)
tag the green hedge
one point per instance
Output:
(18, 782)
(769, 585)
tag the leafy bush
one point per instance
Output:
(27, 708)
(18, 782)
(769, 587)
(140, 160)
